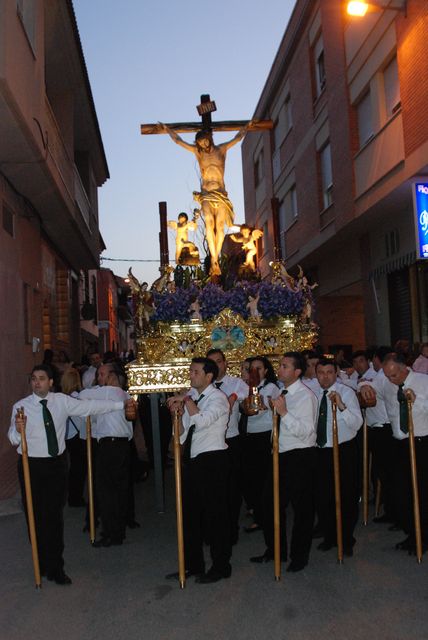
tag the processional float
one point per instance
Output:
(222, 303)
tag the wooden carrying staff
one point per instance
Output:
(415, 491)
(365, 469)
(276, 521)
(337, 485)
(29, 501)
(178, 501)
(90, 480)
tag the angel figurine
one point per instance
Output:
(248, 236)
(144, 301)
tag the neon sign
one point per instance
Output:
(420, 194)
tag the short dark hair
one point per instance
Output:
(183, 214)
(43, 367)
(309, 353)
(382, 352)
(323, 362)
(212, 352)
(209, 366)
(299, 361)
(360, 353)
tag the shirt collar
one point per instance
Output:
(293, 387)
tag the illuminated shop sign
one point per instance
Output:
(420, 195)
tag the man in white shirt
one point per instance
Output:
(403, 384)
(349, 421)
(113, 432)
(88, 377)
(236, 390)
(45, 421)
(206, 468)
(381, 443)
(297, 408)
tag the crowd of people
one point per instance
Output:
(226, 428)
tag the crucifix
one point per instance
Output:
(216, 207)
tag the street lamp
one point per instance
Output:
(359, 8)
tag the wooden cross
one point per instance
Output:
(205, 109)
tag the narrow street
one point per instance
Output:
(120, 592)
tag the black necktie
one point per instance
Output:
(218, 384)
(50, 429)
(187, 446)
(322, 421)
(284, 392)
(404, 414)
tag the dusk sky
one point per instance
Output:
(150, 62)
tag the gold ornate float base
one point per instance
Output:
(164, 354)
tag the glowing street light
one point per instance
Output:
(357, 8)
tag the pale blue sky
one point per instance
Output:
(149, 63)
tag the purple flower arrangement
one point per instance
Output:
(274, 301)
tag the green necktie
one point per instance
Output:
(322, 421)
(404, 414)
(50, 429)
(187, 446)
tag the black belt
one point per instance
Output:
(112, 439)
(47, 458)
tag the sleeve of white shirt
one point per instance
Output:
(13, 435)
(352, 414)
(83, 407)
(241, 390)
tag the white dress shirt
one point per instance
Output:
(229, 385)
(312, 384)
(387, 391)
(376, 416)
(210, 423)
(298, 428)
(61, 407)
(75, 425)
(114, 424)
(349, 420)
(262, 421)
(88, 377)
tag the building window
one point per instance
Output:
(319, 66)
(364, 115)
(258, 169)
(8, 220)
(392, 243)
(391, 88)
(26, 10)
(326, 176)
(282, 123)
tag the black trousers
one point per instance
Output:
(381, 446)
(324, 491)
(296, 486)
(113, 466)
(235, 491)
(403, 486)
(76, 448)
(48, 487)
(256, 455)
(206, 489)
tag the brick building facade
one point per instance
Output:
(350, 138)
(52, 162)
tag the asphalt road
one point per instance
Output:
(121, 593)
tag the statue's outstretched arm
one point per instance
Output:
(176, 138)
(241, 133)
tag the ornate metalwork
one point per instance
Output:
(164, 354)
